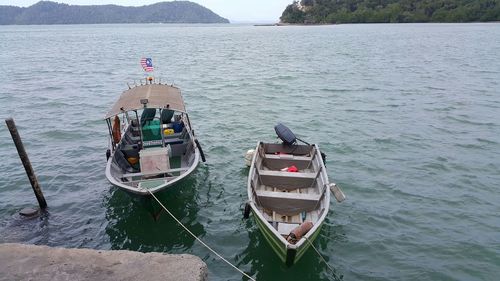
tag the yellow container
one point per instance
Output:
(167, 132)
(132, 160)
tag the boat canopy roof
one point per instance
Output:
(157, 95)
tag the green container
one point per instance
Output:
(151, 131)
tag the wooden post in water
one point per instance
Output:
(26, 162)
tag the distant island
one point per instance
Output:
(390, 11)
(46, 12)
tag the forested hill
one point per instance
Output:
(46, 12)
(385, 11)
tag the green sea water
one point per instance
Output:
(407, 114)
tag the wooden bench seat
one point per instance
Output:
(278, 164)
(287, 157)
(286, 180)
(287, 203)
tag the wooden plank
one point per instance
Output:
(278, 164)
(287, 204)
(288, 195)
(286, 180)
(287, 157)
(288, 174)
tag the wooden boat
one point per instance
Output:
(156, 150)
(284, 202)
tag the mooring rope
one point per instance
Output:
(198, 239)
(321, 256)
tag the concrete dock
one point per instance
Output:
(42, 263)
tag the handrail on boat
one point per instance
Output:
(146, 81)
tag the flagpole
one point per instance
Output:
(147, 66)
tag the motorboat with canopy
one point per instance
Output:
(152, 145)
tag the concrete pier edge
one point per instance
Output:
(42, 263)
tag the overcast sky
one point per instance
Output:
(234, 10)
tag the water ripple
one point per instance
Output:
(408, 124)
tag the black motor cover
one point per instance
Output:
(285, 134)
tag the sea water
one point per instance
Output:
(408, 115)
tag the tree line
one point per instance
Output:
(390, 11)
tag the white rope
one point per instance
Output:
(321, 256)
(198, 239)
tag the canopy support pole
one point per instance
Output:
(162, 130)
(108, 121)
(140, 129)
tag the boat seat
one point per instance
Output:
(175, 138)
(287, 203)
(166, 116)
(147, 115)
(280, 161)
(273, 148)
(133, 130)
(174, 141)
(286, 180)
(122, 162)
(130, 151)
(278, 164)
(131, 139)
(287, 157)
(134, 127)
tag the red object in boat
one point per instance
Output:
(292, 169)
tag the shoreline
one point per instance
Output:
(344, 23)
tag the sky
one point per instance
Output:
(234, 10)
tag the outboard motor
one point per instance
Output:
(285, 134)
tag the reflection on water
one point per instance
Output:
(310, 267)
(139, 224)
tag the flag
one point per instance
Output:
(147, 64)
